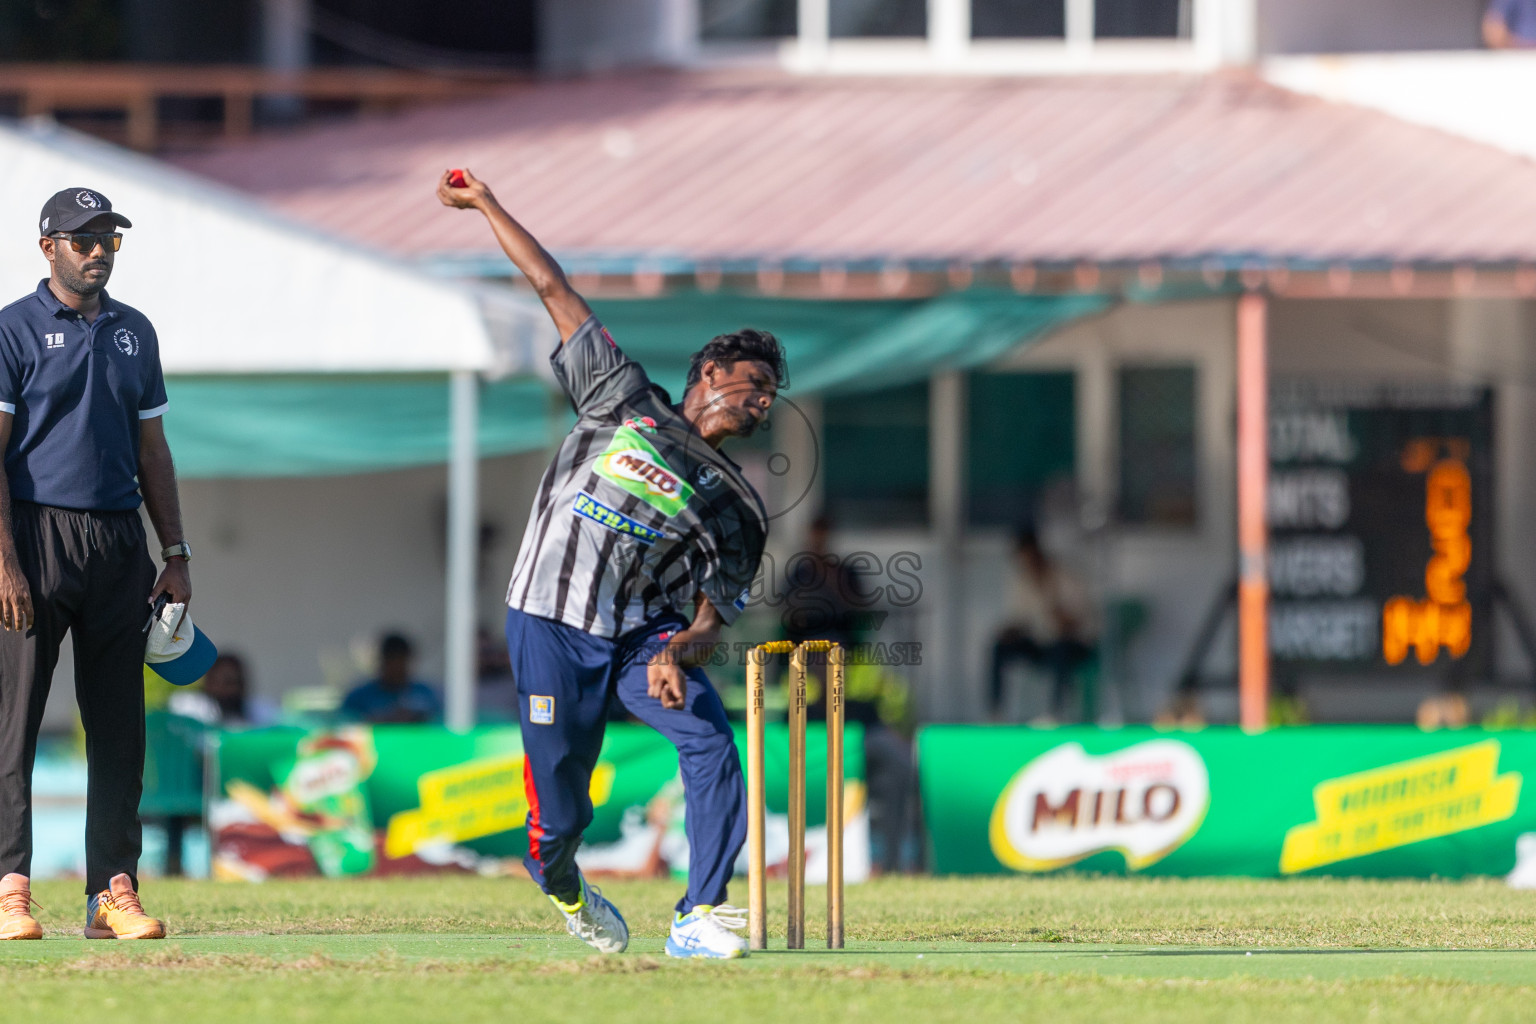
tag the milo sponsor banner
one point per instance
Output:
(1144, 802)
(393, 799)
(1375, 801)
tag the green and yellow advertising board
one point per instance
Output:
(1327, 800)
(361, 799)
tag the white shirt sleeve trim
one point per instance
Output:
(9, 407)
(149, 414)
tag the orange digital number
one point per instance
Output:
(1443, 619)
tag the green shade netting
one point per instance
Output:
(325, 425)
(328, 424)
(844, 346)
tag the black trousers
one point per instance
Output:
(90, 575)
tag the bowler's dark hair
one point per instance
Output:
(744, 345)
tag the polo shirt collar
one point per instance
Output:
(51, 302)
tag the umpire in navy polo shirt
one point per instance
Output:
(82, 398)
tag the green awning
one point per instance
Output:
(329, 424)
(844, 345)
(324, 425)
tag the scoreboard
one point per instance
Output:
(1380, 519)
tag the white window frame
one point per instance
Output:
(1222, 33)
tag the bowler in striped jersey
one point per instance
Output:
(642, 543)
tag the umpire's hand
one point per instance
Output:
(15, 596)
(176, 581)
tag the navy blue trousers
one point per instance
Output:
(565, 678)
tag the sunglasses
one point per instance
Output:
(110, 241)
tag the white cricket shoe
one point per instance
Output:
(709, 933)
(595, 921)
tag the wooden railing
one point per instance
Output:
(135, 90)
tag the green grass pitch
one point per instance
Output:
(462, 949)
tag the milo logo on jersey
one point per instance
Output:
(634, 465)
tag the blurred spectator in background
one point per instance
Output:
(495, 690)
(1183, 711)
(223, 698)
(821, 596)
(393, 696)
(1050, 624)
(1443, 711)
(1510, 24)
(877, 698)
(823, 601)
(229, 686)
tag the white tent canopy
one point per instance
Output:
(234, 287)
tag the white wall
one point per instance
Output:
(1479, 94)
(1178, 572)
(1181, 572)
(301, 575)
(1328, 26)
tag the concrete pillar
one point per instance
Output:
(815, 33)
(948, 689)
(1226, 32)
(285, 35)
(1080, 26)
(1252, 522)
(949, 30)
(284, 48)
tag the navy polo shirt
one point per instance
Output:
(78, 391)
(1519, 16)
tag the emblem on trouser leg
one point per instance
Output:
(541, 710)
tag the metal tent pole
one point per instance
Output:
(463, 525)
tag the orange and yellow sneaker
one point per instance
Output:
(16, 920)
(116, 913)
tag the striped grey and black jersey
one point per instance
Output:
(637, 514)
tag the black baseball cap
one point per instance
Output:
(75, 207)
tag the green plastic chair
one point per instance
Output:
(173, 778)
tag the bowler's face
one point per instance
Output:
(740, 397)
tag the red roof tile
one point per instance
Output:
(706, 167)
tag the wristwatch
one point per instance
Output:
(181, 549)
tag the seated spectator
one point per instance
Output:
(821, 596)
(1510, 24)
(1050, 624)
(227, 685)
(823, 600)
(495, 689)
(223, 697)
(393, 697)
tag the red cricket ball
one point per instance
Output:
(456, 179)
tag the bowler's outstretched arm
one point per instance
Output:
(568, 309)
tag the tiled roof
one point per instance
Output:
(712, 168)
